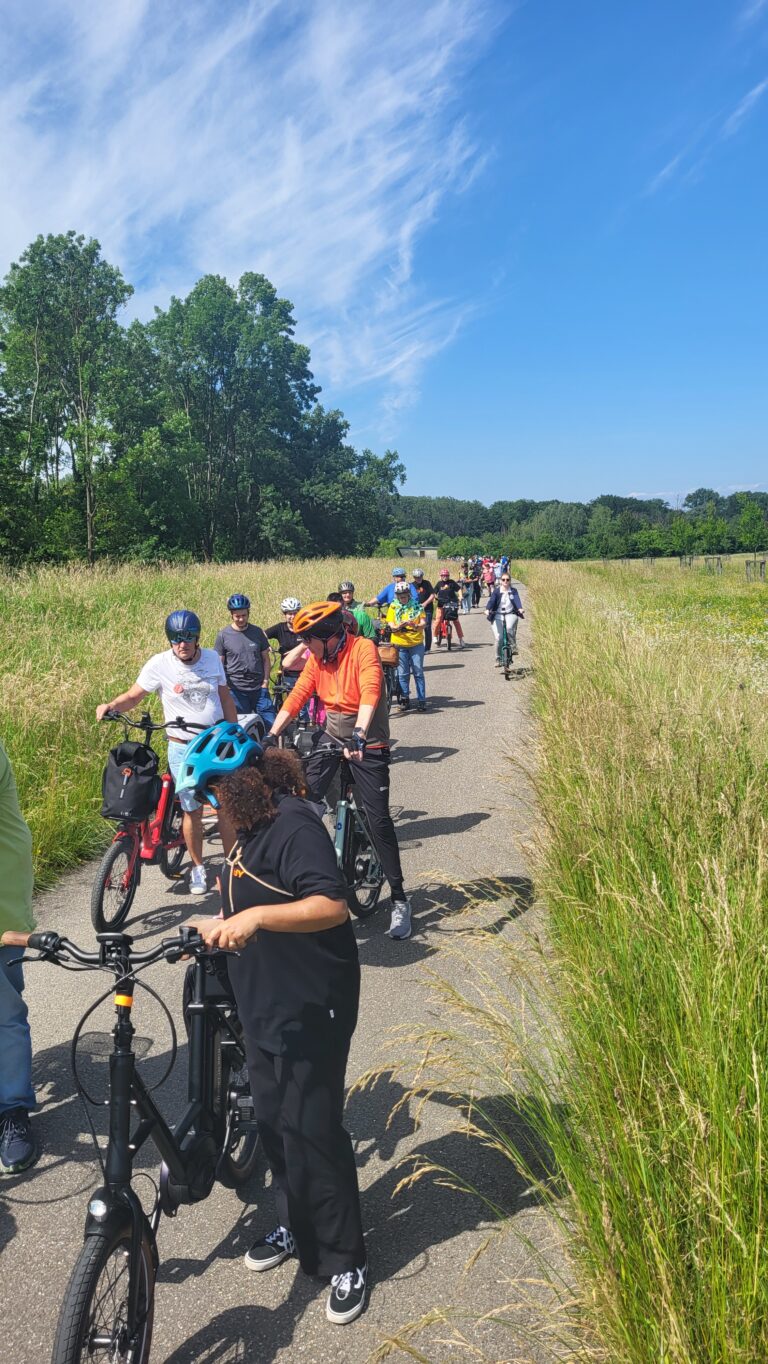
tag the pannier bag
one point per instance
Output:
(450, 611)
(131, 783)
(389, 655)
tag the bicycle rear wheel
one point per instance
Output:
(362, 871)
(170, 859)
(241, 1155)
(115, 885)
(93, 1322)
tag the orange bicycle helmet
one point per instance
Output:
(319, 620)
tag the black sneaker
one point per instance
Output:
(421, 705)
(271, 1250)
(17, 1145)
(346, 1299)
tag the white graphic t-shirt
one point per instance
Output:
(189, 691)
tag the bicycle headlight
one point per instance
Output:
(98, 1209)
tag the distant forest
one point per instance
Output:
(199, 435)
(607, 528)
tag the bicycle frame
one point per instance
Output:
(189, 1150)
(348, 813)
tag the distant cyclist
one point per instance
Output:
(406, 620)
(365, 625)
(192, 686)
(447, 598)
(345, 672)
(504, 604)
(386, 596)
(244, 650)
(426, 595)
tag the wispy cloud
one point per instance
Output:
(688, 163)
(314, 141)
(752, 11)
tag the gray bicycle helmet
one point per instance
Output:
(290, 604)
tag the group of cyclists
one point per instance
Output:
(296, 979)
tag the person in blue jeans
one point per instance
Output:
(406, 621)
(244, 650)
(18, 1149)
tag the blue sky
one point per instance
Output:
(525, 242)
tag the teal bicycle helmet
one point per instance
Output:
(213, 754)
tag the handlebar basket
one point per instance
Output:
(131, 783)
(389, 655)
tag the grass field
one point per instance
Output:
(71, 638)
(634, 1046)
(653, 790)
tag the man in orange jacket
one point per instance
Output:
(345, 672)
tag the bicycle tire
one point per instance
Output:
(449, 635)
(362, 893)
(74, 1341)
(238, 1163)
(106, 919)
(170, 859)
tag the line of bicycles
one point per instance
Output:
(107, 1312)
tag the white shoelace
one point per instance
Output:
(344, 1283)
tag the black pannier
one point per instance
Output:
(131, 784)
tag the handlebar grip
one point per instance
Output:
(47, 941)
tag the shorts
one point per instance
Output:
(175, 758)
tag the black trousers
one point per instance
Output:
(371, 777)
(476, 587)
(299, 1105)
(428, 630)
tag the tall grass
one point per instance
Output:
(72, 637)
(636, 1050)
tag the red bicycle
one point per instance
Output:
(157, 840)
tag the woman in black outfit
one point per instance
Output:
(297, 985)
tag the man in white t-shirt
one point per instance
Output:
(192, 686)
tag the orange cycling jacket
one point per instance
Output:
(352, 680)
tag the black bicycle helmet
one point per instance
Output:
(239, 602)
(182, 622)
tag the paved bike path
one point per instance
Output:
(464, 818)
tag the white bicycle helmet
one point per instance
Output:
(290, 604)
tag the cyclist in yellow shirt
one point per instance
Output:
(406, 619)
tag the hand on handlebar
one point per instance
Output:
(229, 934)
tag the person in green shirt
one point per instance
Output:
(18, 1149)
(365, 625)
(406, 620)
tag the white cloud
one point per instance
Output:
(313, 141)
(691, 159)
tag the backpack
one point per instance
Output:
(131, 783)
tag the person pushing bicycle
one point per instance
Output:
(192, 686)
(345, 672)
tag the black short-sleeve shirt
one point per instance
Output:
(297, 993)
(240, 651)
(446, 592)
(286, 639)
(424, 589)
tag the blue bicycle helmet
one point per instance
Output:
(238, 602)
(398, 572)
(182, 622)
(215, 753)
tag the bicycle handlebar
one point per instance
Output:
(149, 725)
(115, 949)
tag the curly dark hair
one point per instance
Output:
(246, 796)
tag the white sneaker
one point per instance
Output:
(198, 881)
(400, 923)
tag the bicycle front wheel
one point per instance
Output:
(93, 1323)
(115, 886)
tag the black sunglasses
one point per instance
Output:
(184, 637)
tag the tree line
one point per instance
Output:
(607, 528)
(200, 435)
(197, 435)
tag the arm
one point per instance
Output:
(310, 915)
(227, 704)
(125, 701)
(294, 656)
(304, 689)
(266, 663)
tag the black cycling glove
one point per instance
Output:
(359, 740)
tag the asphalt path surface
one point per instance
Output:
(463, 813)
